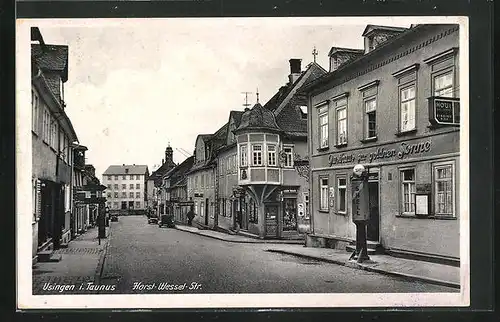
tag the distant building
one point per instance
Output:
(175, 187)
(155, 198)
(379, 108)
(126, 187)
(52, 135)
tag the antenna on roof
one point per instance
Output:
(246, 98)
(182, 152)
(257, 95)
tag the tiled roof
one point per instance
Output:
(120, 169)
(51, 58)
(256, 118)
(236, 116)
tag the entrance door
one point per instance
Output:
(244, 214)
(271, 215)
(206, 211)
(46, 216)
(373, 226)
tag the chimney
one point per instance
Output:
(295, 70)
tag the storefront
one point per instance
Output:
(413, 191)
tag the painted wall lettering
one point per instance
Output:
(404, 150)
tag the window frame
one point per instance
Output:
(271, 155)
(366, 119)
(341, 104)
(288, 155)
(323, 113)
(402, 88)
(411, 197)
(253, 146)
(321, 186)
(243, 155)
(435, 167)
(440, 73)
(337, 208)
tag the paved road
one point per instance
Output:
(149, 256)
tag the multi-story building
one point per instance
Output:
(126, 187)
(201, 182)
(156, 196)
(393, 108)
(175, 187)
(270, 139)
(52, 134)
(80, 211)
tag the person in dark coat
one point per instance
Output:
(190, 216)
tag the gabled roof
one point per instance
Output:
(121, 169)
(52, 58)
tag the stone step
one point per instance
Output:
(351, 248)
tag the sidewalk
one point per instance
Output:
(235, 238)
(411, 269)
(80, 263)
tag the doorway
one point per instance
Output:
(124, 205)
(271, 215)
(206, 211)
(244, 215)
(373, 227)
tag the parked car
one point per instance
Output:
(167, 220)
(152, 220)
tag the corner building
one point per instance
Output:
(378, 109)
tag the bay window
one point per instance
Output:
(256, 154)
(243, 155)
(271, 155)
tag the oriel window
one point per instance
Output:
(256, 154)
(271, 155)
(243, 155)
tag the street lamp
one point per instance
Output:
(360, 210)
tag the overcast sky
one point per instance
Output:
(136, 85)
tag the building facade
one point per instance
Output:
(380, 109)
(156, 195)
(126, 188)
(175, 186)
(52, 134)
(270, 139)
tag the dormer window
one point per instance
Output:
(303, 111)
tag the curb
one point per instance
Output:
(236, 241)
(100, 263)
(371, 269)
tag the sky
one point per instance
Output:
(134, 86)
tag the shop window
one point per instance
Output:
(342, 124)
(323, 198)
(342, 195)
(444, 203)
(407, 177)
(271, 155)
(256, 154)
(288, 152)
(290, 214)
(243, 155)
(371, 118)
(323, 127)
(253, 213)
(407, 108)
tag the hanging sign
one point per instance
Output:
(444, 111)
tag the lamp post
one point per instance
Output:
(360, 211)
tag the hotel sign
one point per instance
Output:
(390, 152)
(444, 111)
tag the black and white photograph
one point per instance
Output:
(242, 162)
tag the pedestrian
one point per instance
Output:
(190, 216)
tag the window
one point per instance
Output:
(256, 154)
(202, 181)
(202, 209)
(290, 214)
(54, 134)
(116, 186)
(124, 195)
(109, 194)
(115, 205)
(138, 204)
(341, 195)
(371, 118)
(138, 186)
(131, 195)
(288, 151)
(34, 111)
(137, 194)
(131, 186)
(196, 207)
(109, 186)
(341, 111)
(271, 155)
(408, 191)
(116, 177)
(116, 194)
(306, 204)
(46, 125)
(196, 182)
(124, 177)
(443, 85)
(137, 177)
(323, 127)
(124, 186)
(323, 198)
(243, 155)
(444, 204)
(407, 108)
(252, 213)
(110, 178)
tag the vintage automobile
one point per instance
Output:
(114, 217)
(166, 220)
(152, 220)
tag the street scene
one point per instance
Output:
(171, 160)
